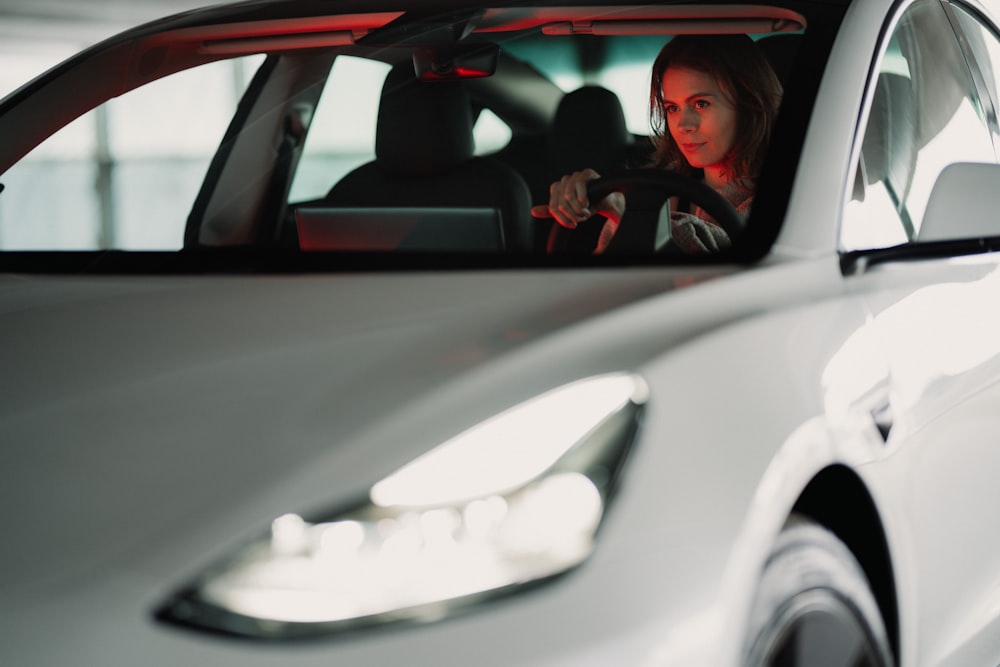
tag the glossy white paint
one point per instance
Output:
(662, 486)
(819, 194)
(940, 343)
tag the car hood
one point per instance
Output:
(150, 423)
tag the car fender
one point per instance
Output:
(740, 421)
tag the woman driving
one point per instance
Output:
(713, 100)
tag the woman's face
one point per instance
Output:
(700, 118)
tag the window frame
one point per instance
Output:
(991, 107)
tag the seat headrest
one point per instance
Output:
(423, 128)
(588, 131)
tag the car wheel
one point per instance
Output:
(814, 605)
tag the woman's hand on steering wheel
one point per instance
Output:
(569, 204)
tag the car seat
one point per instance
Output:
(781, 50)
(588, 131)
(424, 157)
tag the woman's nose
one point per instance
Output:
(688, 120)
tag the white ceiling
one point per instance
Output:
(37, 34)
(42, 24)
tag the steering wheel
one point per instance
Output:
(655, 186)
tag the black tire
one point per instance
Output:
(814, 605)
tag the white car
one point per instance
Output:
(236, 429)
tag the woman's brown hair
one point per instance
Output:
(743, 74)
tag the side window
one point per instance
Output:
(490, 133)
(925, 115)
(342, 132)
(125, 175)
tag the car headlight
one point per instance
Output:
(515, 500)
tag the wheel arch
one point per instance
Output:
(838, 499)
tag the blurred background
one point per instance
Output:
(118, 186)
(36, 34)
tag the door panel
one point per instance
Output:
(942, 339)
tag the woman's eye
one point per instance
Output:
(670, 108)
(702, 104)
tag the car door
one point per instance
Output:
(933, 302)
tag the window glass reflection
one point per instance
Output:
(925, 114)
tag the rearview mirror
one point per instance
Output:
(455, 61)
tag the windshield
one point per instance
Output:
(383, 134)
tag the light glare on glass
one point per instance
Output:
(351, 569)
(507, 451)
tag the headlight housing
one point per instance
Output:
(515, 500)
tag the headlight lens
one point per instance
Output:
(516, 499)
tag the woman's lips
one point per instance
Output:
(690, 148)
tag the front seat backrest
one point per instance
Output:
(424, 157)
(588, 131)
